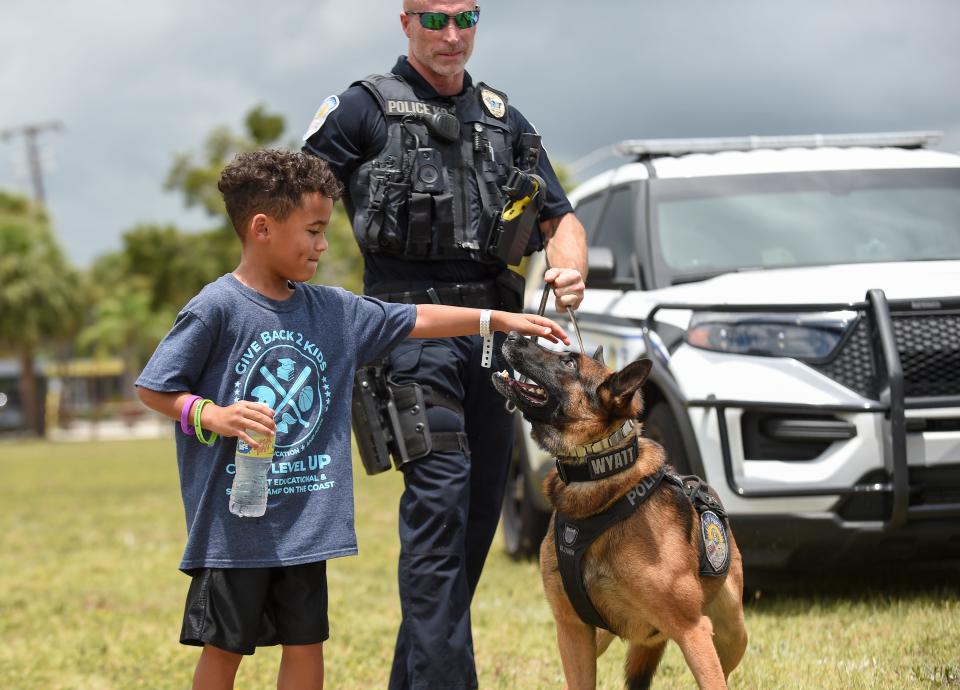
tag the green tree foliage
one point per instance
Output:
(126, 323)
(139, 289)
(166, 263)
(196, 178)
(40, 294)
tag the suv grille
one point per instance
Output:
(929, 347)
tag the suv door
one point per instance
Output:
(615, 262)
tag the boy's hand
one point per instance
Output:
(237, 419)
(528, 324)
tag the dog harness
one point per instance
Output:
(574, 537)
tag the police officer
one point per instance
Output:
(429, 158)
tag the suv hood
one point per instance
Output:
(815, 285)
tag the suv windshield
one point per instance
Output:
(714, 225)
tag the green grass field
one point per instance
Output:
(91, 598)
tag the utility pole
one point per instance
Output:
(30, 134)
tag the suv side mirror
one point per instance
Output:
(602, 265)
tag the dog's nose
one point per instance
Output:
(513, 336)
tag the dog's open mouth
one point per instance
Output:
(531, 393)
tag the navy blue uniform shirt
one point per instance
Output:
(356, 131)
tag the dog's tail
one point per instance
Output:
(641, 664)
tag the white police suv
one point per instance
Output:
(800, 300)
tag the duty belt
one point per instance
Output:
(482, 295)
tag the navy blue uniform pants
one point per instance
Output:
(448, 512)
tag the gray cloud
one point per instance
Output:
(135, 82)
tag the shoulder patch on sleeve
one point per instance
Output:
(329, 104)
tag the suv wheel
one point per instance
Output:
(661, 427)
(524, 525)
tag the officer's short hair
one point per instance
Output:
(273, 182)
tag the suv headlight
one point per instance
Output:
(803, 336)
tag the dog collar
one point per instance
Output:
(598, 465)
(609, 442)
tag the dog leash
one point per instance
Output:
(509, 405)
(543, 306)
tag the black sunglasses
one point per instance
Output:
(436, 21)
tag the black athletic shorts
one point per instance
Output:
(240, 609)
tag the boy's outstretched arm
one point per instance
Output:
(442, 321)
(229, 421)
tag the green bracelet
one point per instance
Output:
(196, 424)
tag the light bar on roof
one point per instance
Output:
(677, 147)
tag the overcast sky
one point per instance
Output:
(135, 82)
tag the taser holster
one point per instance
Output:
(524, 195)
(389, 419)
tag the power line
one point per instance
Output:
(30, 133)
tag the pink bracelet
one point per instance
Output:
(185, 425)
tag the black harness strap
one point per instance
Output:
(574, 538)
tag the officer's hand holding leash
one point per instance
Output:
(568, 287)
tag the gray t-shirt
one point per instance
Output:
(298, 356)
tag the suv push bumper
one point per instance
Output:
(893, 488)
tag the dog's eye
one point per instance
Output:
(570, 363)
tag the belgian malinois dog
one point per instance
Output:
(644, 574)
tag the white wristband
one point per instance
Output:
(487, 357)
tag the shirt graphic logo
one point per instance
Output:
(291, 383)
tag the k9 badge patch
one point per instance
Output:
(716, 547)
(329, 104)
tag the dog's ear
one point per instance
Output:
(622, 385)
(598, 355)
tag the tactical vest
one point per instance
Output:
(426, 198)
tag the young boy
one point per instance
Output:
(276, 356)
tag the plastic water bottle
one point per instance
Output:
(248, 495)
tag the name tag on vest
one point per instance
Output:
(413, 108)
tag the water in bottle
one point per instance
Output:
(248, 495)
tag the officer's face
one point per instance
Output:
(444, 51)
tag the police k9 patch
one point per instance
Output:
(716, 547)
(329, 104)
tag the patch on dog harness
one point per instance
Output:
(715, 547)
(714, 534)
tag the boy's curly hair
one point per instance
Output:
(273, 182)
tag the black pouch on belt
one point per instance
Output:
(510, 290)
(394, 209)
(443, 221)
(412, 419)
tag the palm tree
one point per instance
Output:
(40, 294)
(125, 323)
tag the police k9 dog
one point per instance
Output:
(633, 550)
